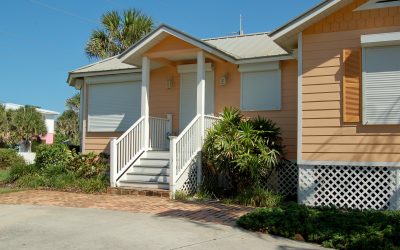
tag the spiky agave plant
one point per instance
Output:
(245, 150)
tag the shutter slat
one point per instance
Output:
(351, 84)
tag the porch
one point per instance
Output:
(161, 150)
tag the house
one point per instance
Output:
(49, 117)
(330, 78)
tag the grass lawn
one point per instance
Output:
(3, 174)
(3, 177)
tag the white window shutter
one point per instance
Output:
(113, 107)
(381, 85)
(261, 90)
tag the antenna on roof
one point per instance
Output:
(241, 33)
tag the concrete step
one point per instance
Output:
(146, 177)
(144, 184)
(156, 154)
(152, 162)
(151, 170)
(139, 191)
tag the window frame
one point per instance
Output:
(373, 41)
(260, 68)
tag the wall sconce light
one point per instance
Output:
(169, 82)
(224, 79)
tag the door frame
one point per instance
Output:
(192, 68)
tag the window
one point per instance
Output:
(381, 79)
(260, 87)
(113, 107)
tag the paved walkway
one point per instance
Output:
(210, 212)
(48, 227)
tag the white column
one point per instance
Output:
(145, 98)
(201, 97)
(113, 162)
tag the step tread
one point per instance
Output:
(154, 159)
(148, 174)
(144, 182)
(150, 166)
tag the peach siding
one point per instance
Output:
(99, 142)
(164, 101)
(324, 136)
(229, 96)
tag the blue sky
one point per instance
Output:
(41, 40)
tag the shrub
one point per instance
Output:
(88, 165)
(259, 197)
(19, 170)
(331, 227)
(55, 154)
(245, 151)
(9, 157)
(57, 167)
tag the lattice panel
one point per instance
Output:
(350, 186)
(284, 179)
(190, 185)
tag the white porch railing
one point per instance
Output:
(125, 150)
(185, 152)
(160, 129)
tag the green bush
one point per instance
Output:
(331, 227)
(88, 165)
(10, 157)
(258, 197)
(57, 167)
(20, 170)
(244, 150)
(55, 154)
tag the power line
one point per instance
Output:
(63, 11)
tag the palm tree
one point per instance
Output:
(3, 124)
(26, 123)
(118, 33)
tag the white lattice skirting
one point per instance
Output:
(350, 186)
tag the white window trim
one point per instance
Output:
(374, 40)
(259, 67)
(109, 79)
(381, 39)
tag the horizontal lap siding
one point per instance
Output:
(162, 100)
(324, 135)
(229, 96)
(99, 142)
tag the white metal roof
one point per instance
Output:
(111, 63)
(247, 46)
(14, 106)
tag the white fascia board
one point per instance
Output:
(114, 78)
(255, 67)
(381, 39)
(303, 20)
(164, 29)
(191, 68)
(265, 59)
(73, 76)
(373, 4)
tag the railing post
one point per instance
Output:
(172, 166)
(113, 162)
(169, 117)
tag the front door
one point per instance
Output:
(188, 101)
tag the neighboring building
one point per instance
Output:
(330, 78)
(49, 117)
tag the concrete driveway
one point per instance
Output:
(45, 227)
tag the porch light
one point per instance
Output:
(223, 80)
(169, 82)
